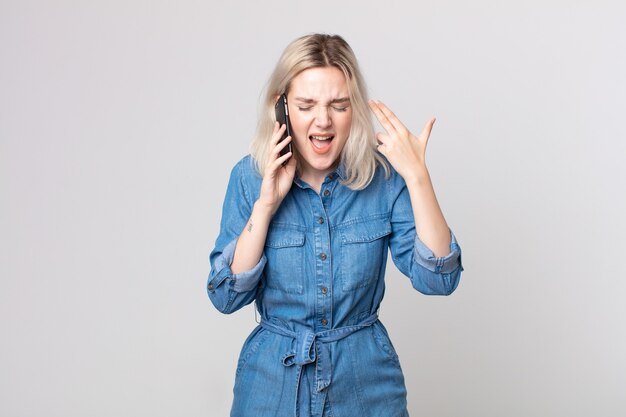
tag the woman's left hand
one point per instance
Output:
(405, 151)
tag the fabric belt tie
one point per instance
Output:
(312, 348)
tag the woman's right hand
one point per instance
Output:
(277, 178)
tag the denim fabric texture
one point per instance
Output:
(320, 349)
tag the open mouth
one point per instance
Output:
(321, 142)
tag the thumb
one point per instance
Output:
(427, 129)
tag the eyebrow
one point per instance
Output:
(333, 101)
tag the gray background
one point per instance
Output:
(120, 121)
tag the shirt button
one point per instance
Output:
(324, 322)
(324, 290)
(210, 287)
(326, 193)
(320, 220)
(323, 256)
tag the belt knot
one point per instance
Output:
(311, 347)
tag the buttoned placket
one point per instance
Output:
(323, 260)
(320, 225)
(325, 279)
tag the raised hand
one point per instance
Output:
(405, 151)
(277, 178)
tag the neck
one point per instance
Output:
(315, 181)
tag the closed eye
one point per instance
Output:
(304, 108)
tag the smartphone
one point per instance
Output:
(282, 117)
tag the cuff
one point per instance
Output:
(241, 282)
(438, 264)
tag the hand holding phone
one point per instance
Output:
(282, 117)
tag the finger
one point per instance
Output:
(281, 145)
(427, 129)
(384, 120)
(290, 166)
(275, 129)
(277, 134)
(279, 161)
(273, 167)
(382, 137)
(393, 119)
(291, 163)
(382, 149)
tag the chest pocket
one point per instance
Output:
(284, 249)
(363, 247)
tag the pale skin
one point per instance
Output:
(404, 151)
(276, 183)
(407, 154)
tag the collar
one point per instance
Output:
(339, 172)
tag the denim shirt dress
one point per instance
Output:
(320, 349)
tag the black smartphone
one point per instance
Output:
(282, 117)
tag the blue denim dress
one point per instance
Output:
(320, 349)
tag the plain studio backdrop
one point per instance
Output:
(120, 122)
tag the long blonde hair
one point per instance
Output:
(359, 155)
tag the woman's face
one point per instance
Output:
(321, 117)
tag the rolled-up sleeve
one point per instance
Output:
(227, 291)
(436, 275)
(443, 264)
(429, 274)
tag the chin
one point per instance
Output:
(322, 164)
(317, 162)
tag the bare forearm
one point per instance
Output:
(430, 224)
(251, 241)
(407, 153)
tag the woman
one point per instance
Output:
(306, 234)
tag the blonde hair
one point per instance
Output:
(359, 155)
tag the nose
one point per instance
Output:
(322, 118)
